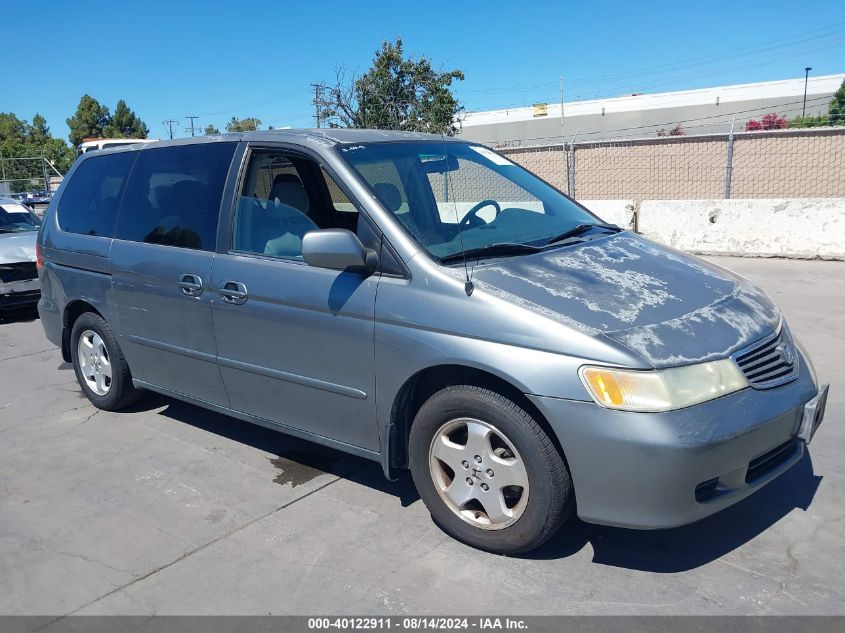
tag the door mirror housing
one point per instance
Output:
(337, 249)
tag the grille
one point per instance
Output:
(18, 272)
(770, 362)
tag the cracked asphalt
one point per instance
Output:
(170, 509)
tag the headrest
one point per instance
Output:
(285, 178)
(389, 195)
(290, 193)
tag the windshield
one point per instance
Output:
(16, 218)
(456, 197)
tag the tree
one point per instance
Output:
(396, 93)
(124, 123)
(836, 111)
(11, 127)
(678, 130)
(248, 124)
(810, 121)
(38, 132)
(20, 139)
(210, 130)
(89, 120)
(770, 121)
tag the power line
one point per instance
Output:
(254, 104)
(711, 120)
(684, 64)
(671, 74)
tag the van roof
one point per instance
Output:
(320, 136)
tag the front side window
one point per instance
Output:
(89, 202)
(173, 195)
(282, 198)
(455, 196)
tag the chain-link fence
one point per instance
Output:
(805, 163)
(26, 173)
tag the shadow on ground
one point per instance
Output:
(660, 551)
(18, 315)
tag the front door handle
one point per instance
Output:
(233, 292)
(190, 284)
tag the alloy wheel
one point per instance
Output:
(94, 363)
(478, 473)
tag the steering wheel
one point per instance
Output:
(471, 219)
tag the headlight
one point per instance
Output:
(662, 389)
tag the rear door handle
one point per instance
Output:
(190, 284)
(233, 292)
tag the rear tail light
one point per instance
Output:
(39, 261)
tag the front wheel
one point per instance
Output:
(487, 471)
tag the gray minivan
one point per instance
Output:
(428, 304)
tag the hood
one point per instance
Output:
(17, 247)
(667, 307)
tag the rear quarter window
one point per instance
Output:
(173, 195)
(90, 199)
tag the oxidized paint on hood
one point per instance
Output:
(17, 247)
(666, 306)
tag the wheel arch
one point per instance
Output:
(73, 310)
(424, 384)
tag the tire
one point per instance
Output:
(108, 384)
(463, 423)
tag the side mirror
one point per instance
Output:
(337, 249)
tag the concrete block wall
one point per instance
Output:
(803, 228)
(619, 212)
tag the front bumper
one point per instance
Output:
(14, 294)
(661, 470)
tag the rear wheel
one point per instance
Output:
(99, 364)
(487, 471)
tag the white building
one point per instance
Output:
(701, 111)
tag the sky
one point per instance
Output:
(248, 58)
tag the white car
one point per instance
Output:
(19, 286)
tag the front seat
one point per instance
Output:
(391, 198)
(285, 221)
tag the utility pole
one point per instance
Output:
(562, 130)
(318, 101)
(191, 117)
(806, 77)
(730, 163)
(563, 134)
(169, 124)
(46, 173)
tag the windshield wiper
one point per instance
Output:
(12, 229)
(500, 249)
(582, 228)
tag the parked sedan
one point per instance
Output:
(18, 275)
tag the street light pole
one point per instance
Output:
(806, 76)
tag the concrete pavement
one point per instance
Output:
(170, 509)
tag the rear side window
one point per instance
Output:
(89, 202)
(173, 195)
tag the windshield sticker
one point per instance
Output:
(15, 208)
(491, 155)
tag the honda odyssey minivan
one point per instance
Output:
(428, 304)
